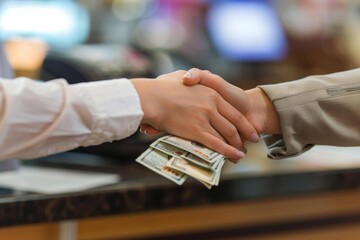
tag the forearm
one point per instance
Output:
(317, 110)
(45, 118)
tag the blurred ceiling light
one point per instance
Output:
(58, 23)
(159, 34)
(129, 10)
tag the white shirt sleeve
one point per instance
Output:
(43, 118)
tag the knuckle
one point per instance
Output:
(227, 152)
(238, 118)
(160, 76)
(180, 72)
(233, 138)
(195, 69)
(232, 132)
(212, 94)
(216, 75)
(207, 109)
(195, 127)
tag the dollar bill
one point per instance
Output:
(176, 159)
(157, 161)
(208, 186)
(217, 172)
(205, 175)
(181, 153)
(192, 147)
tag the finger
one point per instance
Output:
(143, 127)
(206, 78)
(220, 146)
(192, 77)
(229, 92)
(243, 149)
(232, 94)
(211, 130)
(149, 130)
(237, 119)
(152, 131)
(227, 130)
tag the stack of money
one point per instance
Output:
(176, 159)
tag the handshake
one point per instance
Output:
(200, 107)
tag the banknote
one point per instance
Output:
(208, 186)
(178, 152)
(217, 172)
(205, 175)
(156, 161)
(192, 147)
(176, 159)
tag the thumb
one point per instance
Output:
(192, 77)
(206, 78)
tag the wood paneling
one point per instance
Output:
(222, 216)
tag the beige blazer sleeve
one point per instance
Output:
(317, 110)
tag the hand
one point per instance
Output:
(253, 104)
(197, 113)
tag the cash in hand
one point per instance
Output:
(176, 159)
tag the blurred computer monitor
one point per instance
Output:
(246, 30)
(58, 23)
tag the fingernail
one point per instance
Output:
(239, 155)
(141, 130)
(255, 137)
(145, 132)
(188, 74)
(243, 150)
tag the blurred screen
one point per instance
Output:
(246, 30)
(58, 23)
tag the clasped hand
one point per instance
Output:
(199, 106)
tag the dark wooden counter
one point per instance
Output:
(141, 191)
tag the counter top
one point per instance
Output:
(140, 190)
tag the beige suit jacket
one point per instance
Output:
(317, 110)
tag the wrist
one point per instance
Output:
(263, 113)
(144, 88)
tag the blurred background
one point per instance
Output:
(246, 42)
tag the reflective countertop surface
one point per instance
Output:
(138, 189)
